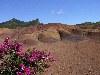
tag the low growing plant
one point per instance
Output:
(13, 61)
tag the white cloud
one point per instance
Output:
(58, 12)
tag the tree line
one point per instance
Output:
(13, 23)
(89, 25)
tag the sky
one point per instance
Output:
(51, 11)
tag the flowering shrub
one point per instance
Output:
(13, 61)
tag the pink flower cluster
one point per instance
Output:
(23, 69)
(23, 63)
(37, 56)
(9, 46)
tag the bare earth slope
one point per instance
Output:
(77, 51)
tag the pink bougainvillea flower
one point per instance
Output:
(22, 62)
(19, 73)
(22, 67)
(27, 71)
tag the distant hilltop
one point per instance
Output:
(14, 23)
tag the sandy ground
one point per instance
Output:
(73, 56)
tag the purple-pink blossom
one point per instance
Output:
(27, 71)
(23, 62)
(19, 73)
